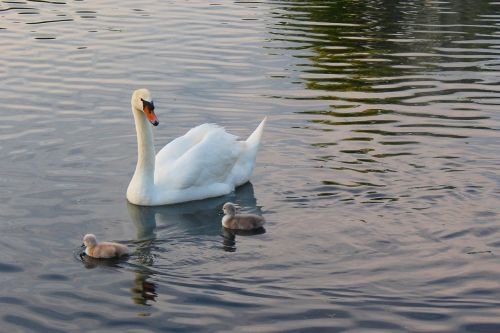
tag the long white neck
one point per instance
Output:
(145, 169)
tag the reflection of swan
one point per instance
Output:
(144, 221)
(90, 262)
(194, 218)
(206, 162)
(143, 290)
(229, 237)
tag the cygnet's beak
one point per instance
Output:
(149, 111)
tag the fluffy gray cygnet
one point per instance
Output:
(104, 249)
(231, 220)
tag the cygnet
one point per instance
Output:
(231, 220)
(103, 250)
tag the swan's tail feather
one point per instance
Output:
(244, 166)
(253, 140)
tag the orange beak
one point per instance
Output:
(150, 114)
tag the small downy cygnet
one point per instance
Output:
(231, 220)
(103, 249)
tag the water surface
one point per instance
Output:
(378, 173)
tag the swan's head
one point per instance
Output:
(143, 102)
(89, 240)
(229, 209)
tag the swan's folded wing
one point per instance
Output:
(179, 146)
(208, 159)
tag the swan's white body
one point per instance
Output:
(205, 162)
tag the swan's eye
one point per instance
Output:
(149, 105)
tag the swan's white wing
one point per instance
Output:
(202, 157)
(177, 147)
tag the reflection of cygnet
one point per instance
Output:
(103, 249)
(231, 220)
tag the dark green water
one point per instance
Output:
(378, 173)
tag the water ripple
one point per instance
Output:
(377, 175)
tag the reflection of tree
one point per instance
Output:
(382, 77)
(354, 41)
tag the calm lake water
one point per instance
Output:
(378, 174)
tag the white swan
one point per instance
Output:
(205, 162)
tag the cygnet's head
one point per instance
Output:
(89, 240)
(142, 101)
(229, 208)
